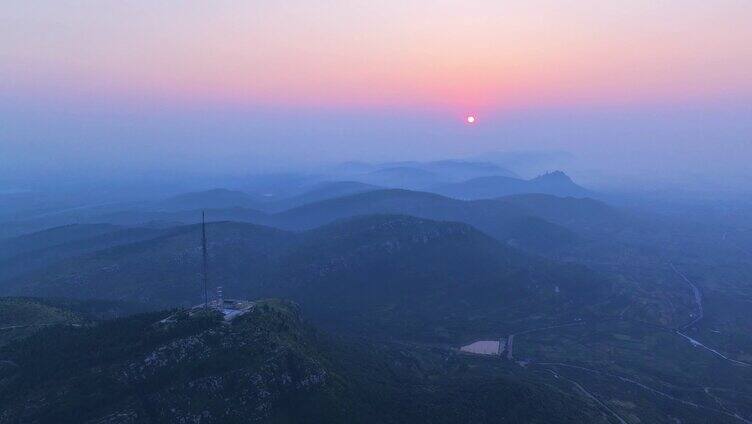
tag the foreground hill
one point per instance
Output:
(389, 273)
(264, 366)
(190, 369)
(555, 183)
(20, 317)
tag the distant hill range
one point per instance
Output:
(502, 220)
(318, 192)
(418, 175)
(463, 169)
(400, 177)
(536, 222)
(233, 199)
(554, 183)
(385, 272)
(271, 194)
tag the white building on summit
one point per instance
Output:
(232, 308)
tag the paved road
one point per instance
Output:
(696, 343)
(648, 388)
(589, 395)
(14, 327)
(510, 347)
(700, 315)
(698, 299)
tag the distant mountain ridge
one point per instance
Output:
(416, 175)
(554, 183)
(459, 179)
(544, 223)
(400, 177)
(318, 192)
(218, 198)
(502, 220)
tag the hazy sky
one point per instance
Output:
(630, 86)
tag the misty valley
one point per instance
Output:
(411, 292)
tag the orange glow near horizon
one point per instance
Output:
(452, 55)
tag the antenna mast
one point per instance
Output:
(203, 245)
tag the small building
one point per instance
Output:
(229, 308)
(232, 308)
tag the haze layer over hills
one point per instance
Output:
(603, 310)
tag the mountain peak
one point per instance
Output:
(558, 176)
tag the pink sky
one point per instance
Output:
(631, 86)
(454, 55)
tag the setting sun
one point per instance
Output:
(470, 119)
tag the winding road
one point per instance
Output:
(648, 388)
(698, 299)
(589, 395)
(701, 315)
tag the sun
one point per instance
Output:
(470, 119)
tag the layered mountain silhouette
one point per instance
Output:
(537, 222)
(417, 175)
(555, 183)
(318, 192)
(384, 272)
(502, 220)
